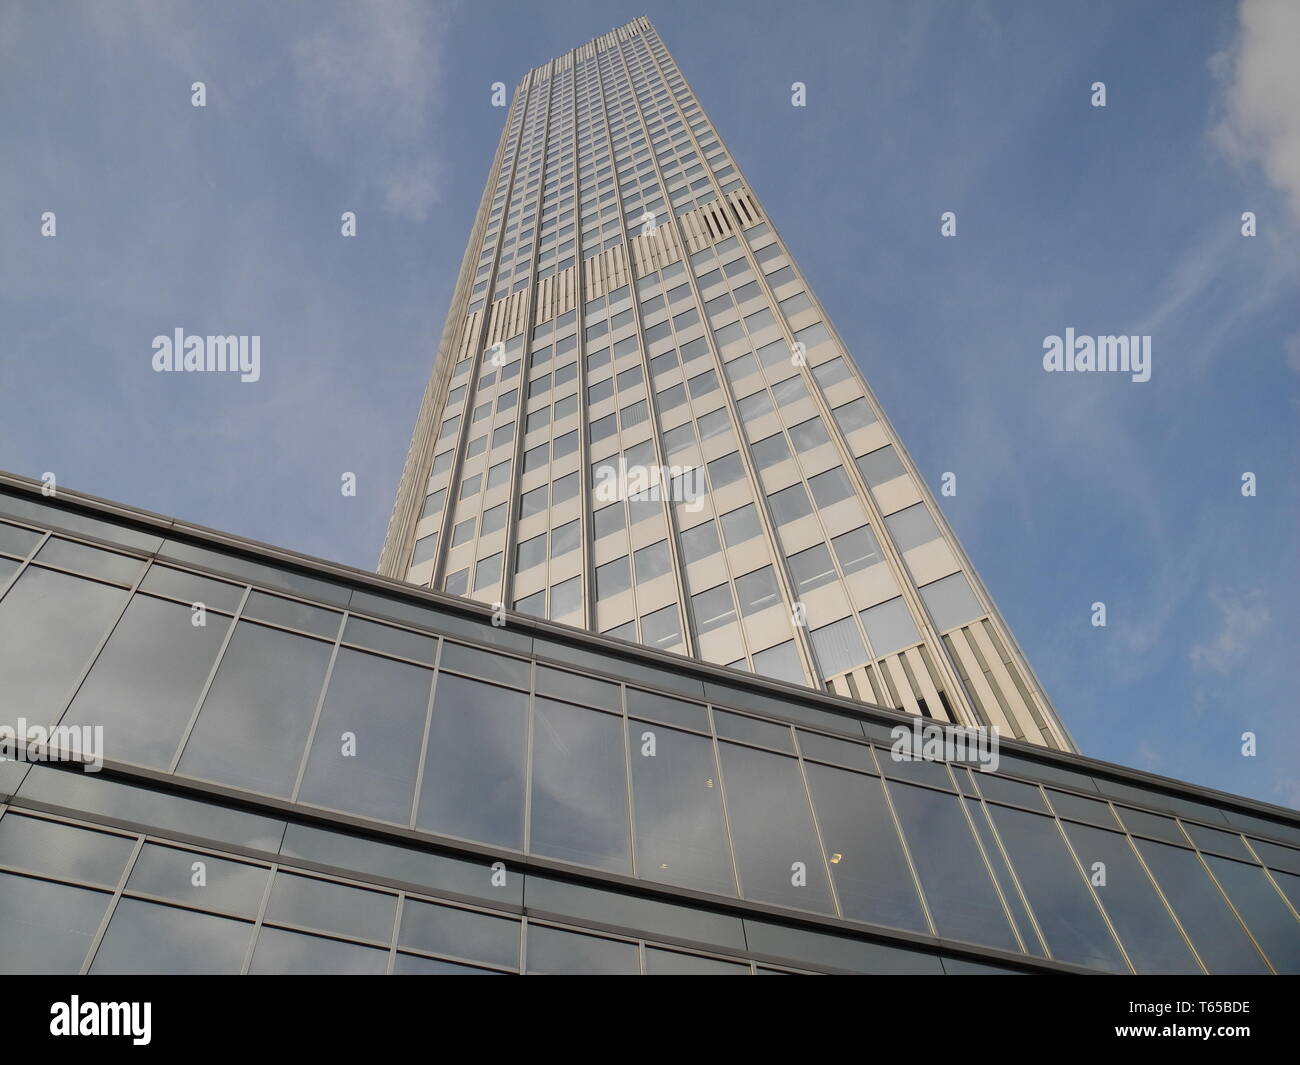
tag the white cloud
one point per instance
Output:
(1242, 618)
(365, 85)
(1262, 121)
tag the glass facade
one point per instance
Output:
(420, 790)
(626, 304)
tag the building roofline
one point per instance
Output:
(99, 507)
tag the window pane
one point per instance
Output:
(280, 951)
(808, 435)
(170, 872)
(652, 562)
(460, 933)
(662, 628)
(366, 750)
(912, 527)
(1263, 910)
(951, 602)
(757, 591)
(772, 828)
(880, 466)
(146, 938)
(253, 726)
(812, 568)
(866, 859)
(49, 625)
(790, 504)
(1149, 935)
(613, 578)
(1060, 898)
(1215, 932)
(953, 876)
(767, 453)
(579, 794)
(144, 685)
(681, 836)
(700, 543)
(47, 927)
(740, 526)
(474, 764)
(830, 487)
(713, 608)
(889, 627)
(857, 549)
(530, 553)
(331, 907)
(62, 850)
(552, 950)
(839, 647)
(780, 663)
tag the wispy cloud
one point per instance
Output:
(1262, 121)
(1243, 616)
(364, 85)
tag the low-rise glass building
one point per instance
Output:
(303, 767)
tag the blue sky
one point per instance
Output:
(1071, 489)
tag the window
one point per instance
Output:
(839, 647)
(725, 470)
(741, 525)
(498, 474)
(772, 828)
(912, 527)
(487, 572)
(679, 439)
(880, 466)
(533, 502)
(867, 862)
(770, 451)
(652, 561)
(830, 487)
(613, 578)
(700, 543)
(954, 878)
(789, 391)
(253, 726)
(857, 549)
(1060, 898)
(456, 583)
(951, 602)
(854, 415)
(481, 797)
(578, 768)
(754, 407)
(494, 518)
(810, 434)
(566, 597)
(530, 553)
(714, 608)
(889, 627)
(790, 504)
(564, 539)
(812, 568)
(662, 628)
(757, 591)
(681, 833)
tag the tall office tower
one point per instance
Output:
(625, 297)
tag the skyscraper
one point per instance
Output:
(626, 306)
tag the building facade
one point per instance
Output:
(337, 772)
(625, 303)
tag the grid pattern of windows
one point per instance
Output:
(630, 304)
(627, 777)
